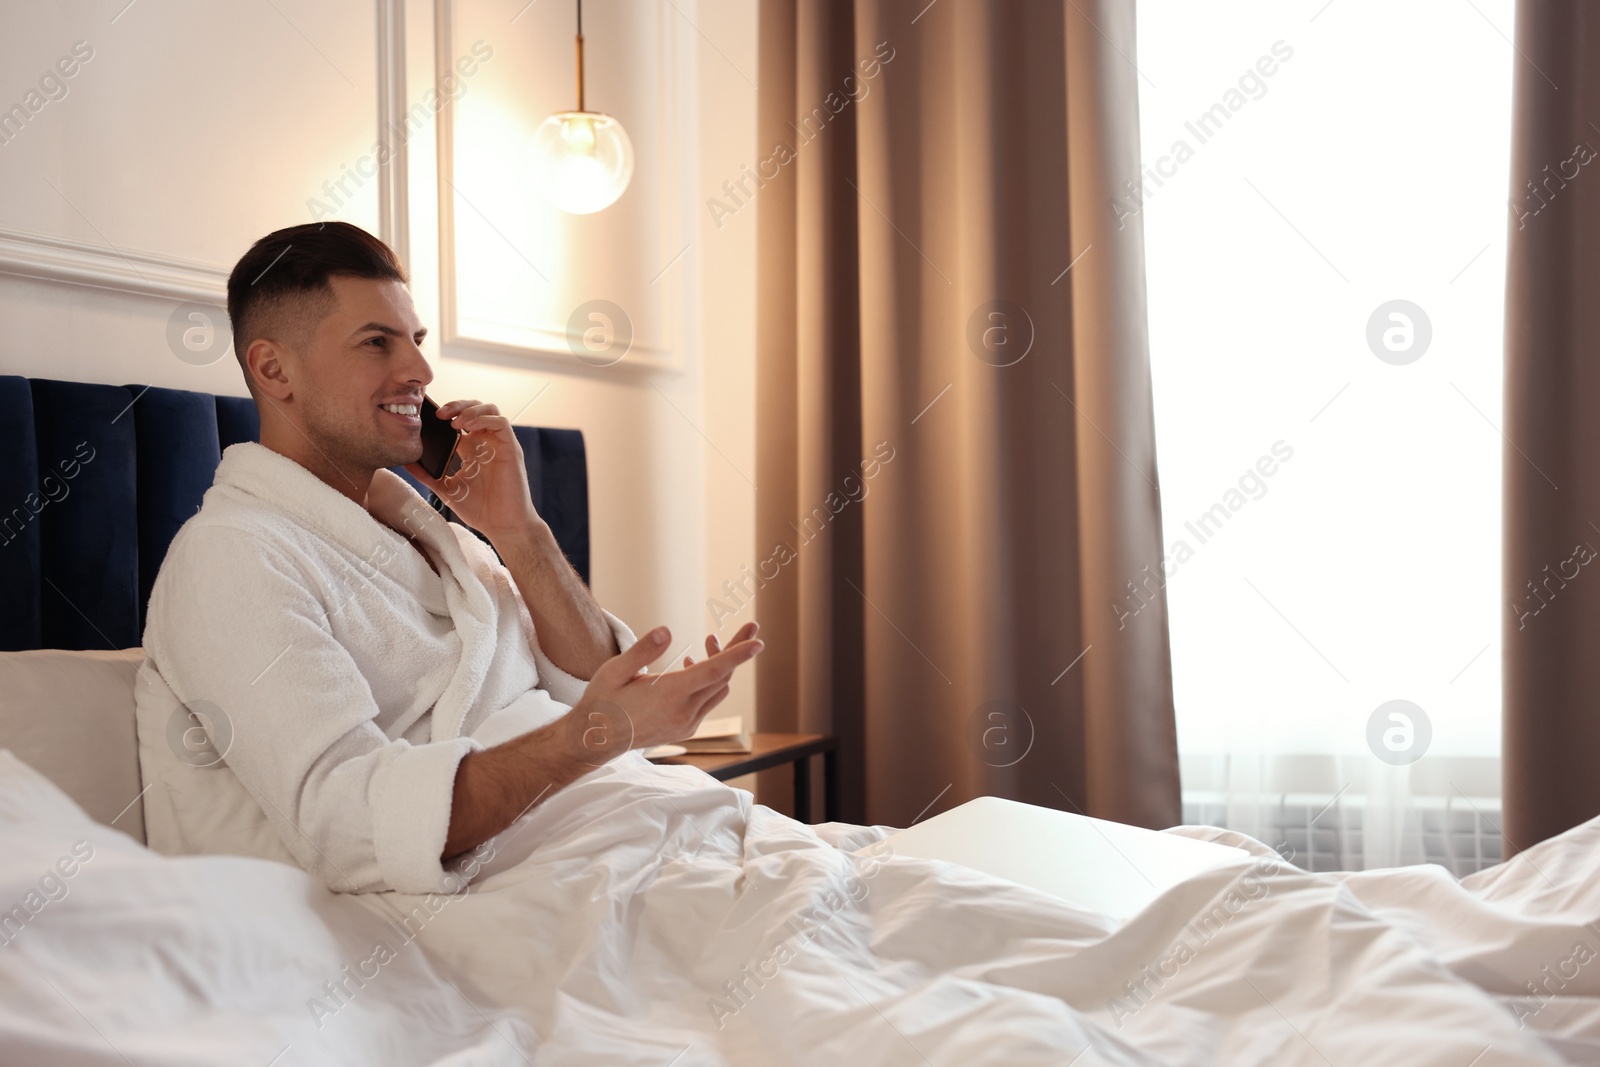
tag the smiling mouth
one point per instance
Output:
(409, 414)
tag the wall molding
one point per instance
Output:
(43, 257)
(66, 261)
(59, 259)
(393, 195)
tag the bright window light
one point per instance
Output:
(1325, 216)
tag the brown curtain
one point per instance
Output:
(1551, 724)
(957, 498)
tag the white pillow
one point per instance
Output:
(69, 715)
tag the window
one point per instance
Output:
(1324, 202)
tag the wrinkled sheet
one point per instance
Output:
(650, 915)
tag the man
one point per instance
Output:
(387, 692)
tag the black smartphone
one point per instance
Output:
(439, 440)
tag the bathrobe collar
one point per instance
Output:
(274, 479)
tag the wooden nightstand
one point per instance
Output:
(774, 750)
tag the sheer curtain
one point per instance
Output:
(1326, 269)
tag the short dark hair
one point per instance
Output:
(282, 282)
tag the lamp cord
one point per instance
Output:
(580, 55)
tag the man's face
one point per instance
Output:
(363, 355)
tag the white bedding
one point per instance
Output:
(619, 919)
(111, 954)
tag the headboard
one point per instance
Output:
(81, 542)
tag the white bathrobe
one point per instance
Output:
(340, 679)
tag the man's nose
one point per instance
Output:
(417, 368)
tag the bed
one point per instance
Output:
(651, 915)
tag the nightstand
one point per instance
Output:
(774, 750)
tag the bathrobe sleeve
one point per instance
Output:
(246, 632)
(565, 687)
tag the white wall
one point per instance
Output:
(726, 258)
(193, 128)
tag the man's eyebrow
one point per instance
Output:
(390, 331)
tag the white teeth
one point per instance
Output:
(400, 409)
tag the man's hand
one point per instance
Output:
(621, 709)
(490, 494)
(490, 491)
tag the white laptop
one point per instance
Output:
(1101, 866)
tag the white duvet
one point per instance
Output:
(653, 916)
(113, 955)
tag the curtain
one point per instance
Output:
(1334, 811)
(1551, 726)
(957, 486)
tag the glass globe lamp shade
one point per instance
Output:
(583, 161)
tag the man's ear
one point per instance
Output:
(265, 360)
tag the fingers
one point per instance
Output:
(712, 671)
(472, 416)
(713, 646)
(715, 669)
(702, 703)
(470, 407)
(477, 423)
(638, 656)
(716, 697)
(746, 632)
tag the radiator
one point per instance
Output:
(1318, 833)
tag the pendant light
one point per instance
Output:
(584, 159)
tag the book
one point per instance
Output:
(725, 736)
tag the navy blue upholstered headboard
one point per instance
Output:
(81, 541)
